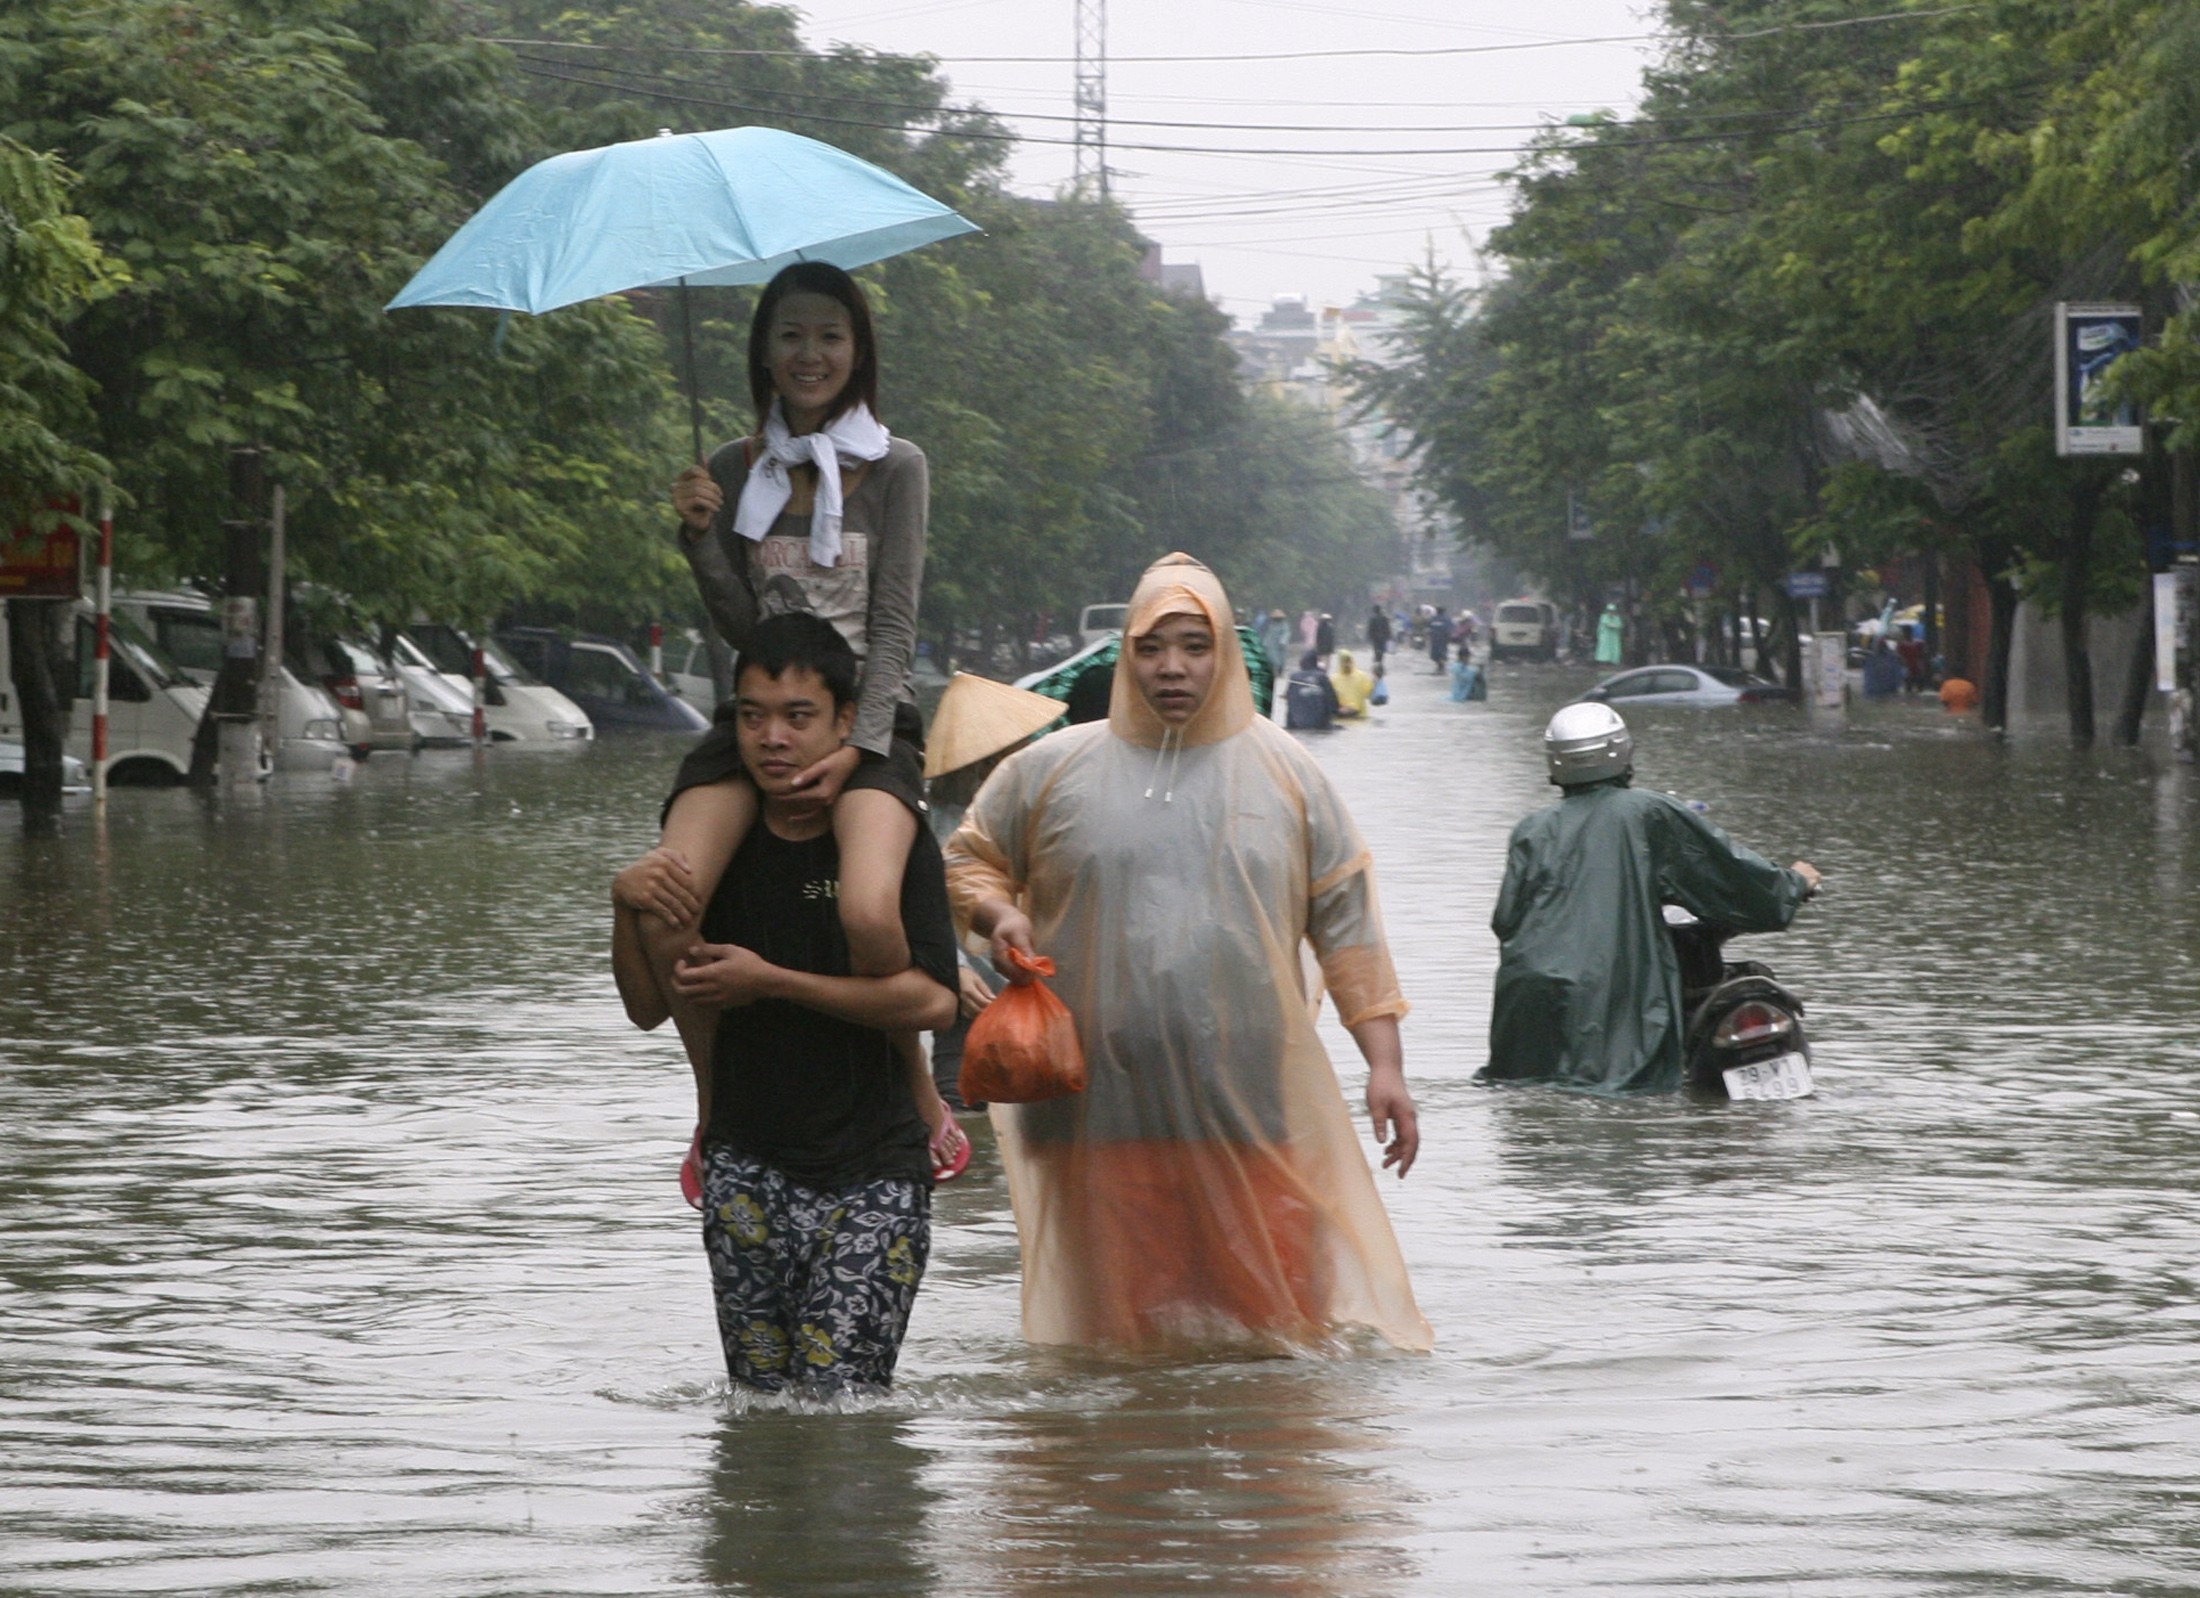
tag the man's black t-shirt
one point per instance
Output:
(821, 1099)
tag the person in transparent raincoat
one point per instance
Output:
(1207, 1185)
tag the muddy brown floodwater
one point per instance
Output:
(340, 1250)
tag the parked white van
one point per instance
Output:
(153, 707)
(687, 669)
(521, 708)
(182, 624)
(1096, 622)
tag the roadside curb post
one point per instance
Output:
(270, 698)
(1829, 677)
(102, 646)
(481, 697)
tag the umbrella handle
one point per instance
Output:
(695, 399)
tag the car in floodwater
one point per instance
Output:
(1524, 629)
(602, 676)
(687, 668)
(1096, 622)
(75, 776)
(1675, 684)
(154, 707)
(311, 729)
(518, 706)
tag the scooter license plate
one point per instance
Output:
(1785, 1076)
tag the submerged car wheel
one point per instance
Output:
(143, 774)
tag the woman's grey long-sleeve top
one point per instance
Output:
(870, 596)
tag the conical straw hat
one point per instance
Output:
(978, 717)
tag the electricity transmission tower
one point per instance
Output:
(1091, 139)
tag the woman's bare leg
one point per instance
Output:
(874, 831)
(705, 824)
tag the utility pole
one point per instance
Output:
(229, 735)
(1091, 98)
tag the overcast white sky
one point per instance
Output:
(1321, 223)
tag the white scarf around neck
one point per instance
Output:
(855, 435)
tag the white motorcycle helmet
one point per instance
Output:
(1587, 743)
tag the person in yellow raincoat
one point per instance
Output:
(1354, 686)
(1207, 1185)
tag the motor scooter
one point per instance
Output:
(1744, 1037)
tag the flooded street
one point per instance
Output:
(343, 1253)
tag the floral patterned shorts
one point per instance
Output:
(813, 1288)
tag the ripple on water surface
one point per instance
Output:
(342, 1252)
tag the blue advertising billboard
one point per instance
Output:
(2089, 339)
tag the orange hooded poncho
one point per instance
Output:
(1208, 1185)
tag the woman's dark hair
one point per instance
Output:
(797, 638)
(814, 277)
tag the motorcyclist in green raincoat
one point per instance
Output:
(1588, 986)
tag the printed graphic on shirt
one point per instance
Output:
(787, 580)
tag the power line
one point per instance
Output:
(1293, 55)
(922, 108)
(670, 98)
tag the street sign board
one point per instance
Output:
(2089, 339)
(1806, 585)
(1703, 582)
(38, 565)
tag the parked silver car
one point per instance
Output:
(1687, 685)
(75, 776)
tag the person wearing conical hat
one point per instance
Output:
(1207, 1186)
(976, 726)
(979, 718)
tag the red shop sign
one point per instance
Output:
(39, 565)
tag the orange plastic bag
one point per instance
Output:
(1023, 1046)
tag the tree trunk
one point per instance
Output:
(2001, 594)
(2077, 584)
(42, 665)
(2139, 675)
(1931, 560)
(1957, 647)
(1792, 664)
(236, 692)
(2077, 675)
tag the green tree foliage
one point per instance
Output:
(1804, 296)
(1077, 421)
(239, 161)
(265, 174)
(50, 268)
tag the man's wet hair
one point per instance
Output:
(796, 638)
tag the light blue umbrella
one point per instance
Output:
(732, 206)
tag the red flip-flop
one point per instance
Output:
(946, 1170)
(691, 1173)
